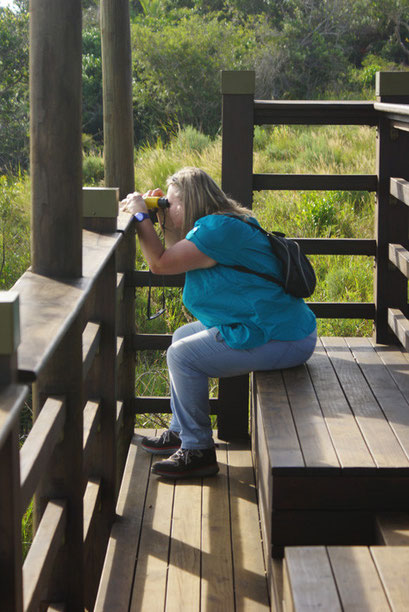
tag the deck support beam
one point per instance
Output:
(117, 88)
(56, 160)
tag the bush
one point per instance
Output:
(92, 170)
(14, 229)
(177, 67)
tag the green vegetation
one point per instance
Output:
(299, 49)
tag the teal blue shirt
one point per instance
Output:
(248, 310)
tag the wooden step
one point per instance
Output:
(331, 444)
(346, 578)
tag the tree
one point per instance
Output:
(92, 112)
(14, 105)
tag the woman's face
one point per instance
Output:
(175, 212)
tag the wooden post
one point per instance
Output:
(100, 385)
(391, 216)
(11, 399)
(237, 181)
(237, 130)
(117, 96)
(56, 159)
(126, 328)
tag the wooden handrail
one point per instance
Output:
(305, 112)
(400, 110)
(316, 182)
(399, 324)
(400, 189)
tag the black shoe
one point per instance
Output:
(166, 444)
(188, 463)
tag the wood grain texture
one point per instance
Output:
(309, 581)
(37, 449)
(115, 587)
(248, 563)
(117, 95)
(356, 579)
(55, 155)
(39, 562)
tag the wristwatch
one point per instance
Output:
(141, 216)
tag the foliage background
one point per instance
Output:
(299, 49)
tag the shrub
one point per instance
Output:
(92, 170)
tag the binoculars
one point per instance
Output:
(155, 202)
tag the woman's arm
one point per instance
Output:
(181, 257)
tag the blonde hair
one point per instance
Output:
(201, 196)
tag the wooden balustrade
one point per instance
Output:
(84, 413)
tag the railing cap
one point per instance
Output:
(238, 81)
(9, 322)
(98, 202)
(392, 84)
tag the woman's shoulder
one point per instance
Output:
(220, 231)
(225, 220)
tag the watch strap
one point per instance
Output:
(141, 216)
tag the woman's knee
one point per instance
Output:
(184, 331)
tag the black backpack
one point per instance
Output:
(299, 275)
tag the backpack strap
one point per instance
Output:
(268, 277)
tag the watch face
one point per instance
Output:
(140, 216)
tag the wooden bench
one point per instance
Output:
(346, 578)
(330, 442)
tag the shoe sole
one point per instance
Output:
(161, 451)
(211, 470)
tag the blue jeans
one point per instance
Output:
(197, 353)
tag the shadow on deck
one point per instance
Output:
(191, 545)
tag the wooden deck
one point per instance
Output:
(190, 546)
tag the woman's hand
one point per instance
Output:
(133, 204)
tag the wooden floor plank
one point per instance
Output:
(248, 562)
(392, 563)
(312, 431)
(390, 398)
(306, 568)
(149, 588)
(172, 545)
(118, 572)
(278, 424)
(217, 590)
(397, 362)
(357, 580)
(184, 561)
(347, 438)
(379, 436)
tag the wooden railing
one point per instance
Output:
(78, 345)
(241, 113)
(76, 350)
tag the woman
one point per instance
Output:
(245, 322)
